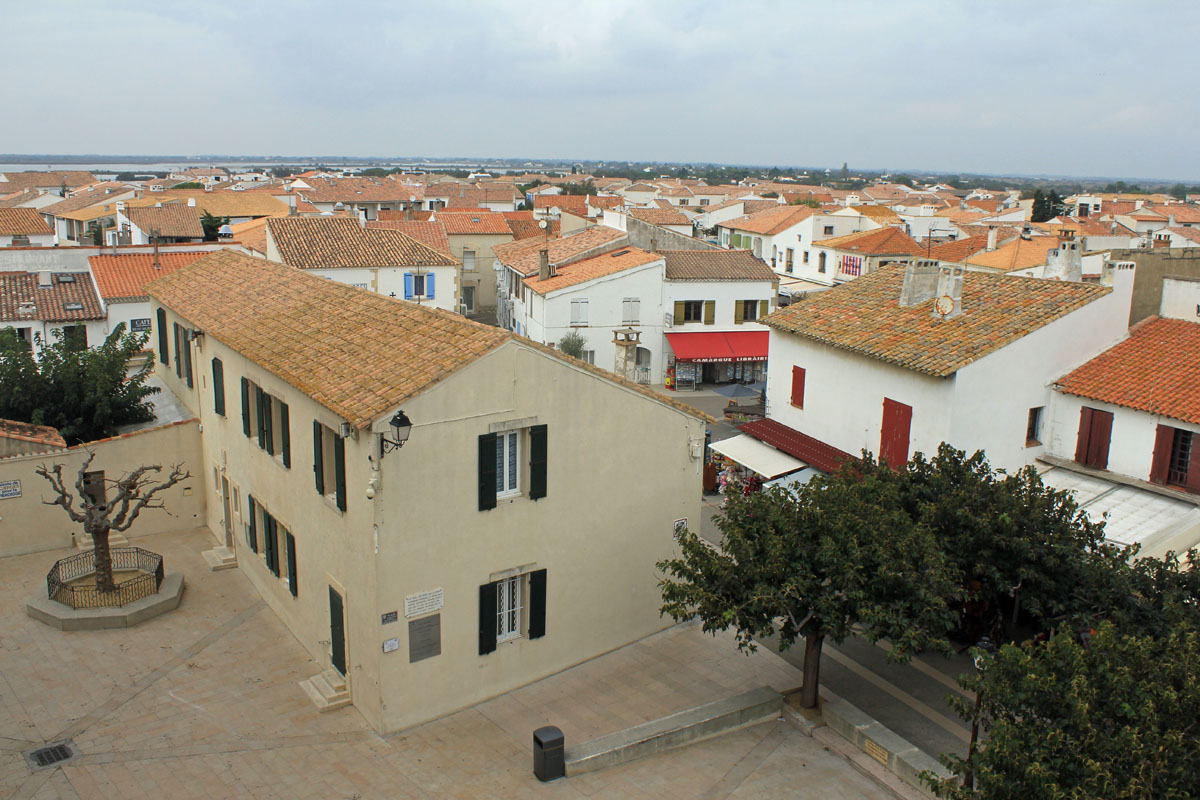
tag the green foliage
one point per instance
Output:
(189, 185)
(96, 231)
(1180, 192)
(573, 344)
(811, 202)
(572, 187)
(770, 194)
(1046, 206)
(85, 393)
(1113, 716)
(1121, 187)
(212, 226)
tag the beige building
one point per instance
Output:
(472, 234)
(513, 535)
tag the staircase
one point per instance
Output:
(220, 557)
(327, 691)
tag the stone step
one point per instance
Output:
(219, 558)
(686, 727)
(84, 542)
(327, 690)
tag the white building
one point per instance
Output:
(24, 227)
(38, 304)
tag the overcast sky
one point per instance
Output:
(1078, 88)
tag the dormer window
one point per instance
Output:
(73, 307)
(66, 278)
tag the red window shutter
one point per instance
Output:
(1099, 440)
(798, 387)
(1085, 430)
(1164, 437)
(894, 433)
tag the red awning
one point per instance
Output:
(715, 347)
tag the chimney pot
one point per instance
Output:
(948, 302)
(544, 264)
(993, 234)
(192, 202)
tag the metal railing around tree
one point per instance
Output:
(124, 559)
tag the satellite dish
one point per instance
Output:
(543, 224)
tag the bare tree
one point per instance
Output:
(133, 492)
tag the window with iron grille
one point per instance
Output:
(1181, 456)
(509, 608)
(508, 479)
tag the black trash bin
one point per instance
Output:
(549, 754)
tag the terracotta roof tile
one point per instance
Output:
(772, 221)
(864, 316)
(357, 190)
(885, 241)
(574, 203)
(331, 242)
(426, 232)
(124, 276)
(252, 233)
(22, 222)
(482, 223)
(715, 265)
(1017, 254)
(528, 228)
(17, 181)
(70, 298)
(219, 204)
(522, 254)
(958, 249)
(174, 221)
(84, 197)
(1157, 370)
(34, 438)
(660, 216)
(595, 267)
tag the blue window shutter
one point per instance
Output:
(429, 285)
(408, 286)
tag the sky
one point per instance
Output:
(1093, 88)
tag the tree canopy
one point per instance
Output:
(573, 344)
(85, 393)
(212, 226)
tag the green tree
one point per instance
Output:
(573, 344)
(1041, 207)
(587, 187)
(811, 202)
(212, 226)
(845, 172)
(1179, 191)
(770, 194)
(189, 185)
(85, 393)
(1084, 716)
(837, 557)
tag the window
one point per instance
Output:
(278, 545)
(821, 262)
(94, 487)
(798, 374)
(1033, 429)
(1180, 460)
(703, 201)
(469, 260)
(589, 356)
(579, 312)
(805, 257)
(329, 464)
(829, 230)
(1095, 434)
(894, 433)
(218, 373)
(788, 259)
(418, 285)
(631, 310)
(1176, 459)
(269, 418)
(683, 201)
(693, 310)
(512, 462)
(164, 355)
(748, 310)
(512, 607)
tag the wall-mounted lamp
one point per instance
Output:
(401, 428)
(195, 334)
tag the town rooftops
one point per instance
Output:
(886, 241)
(252, 234)
(331, 242)
(84, 197)
(772, 221)
(588, 269)
(522, 254)
(123, 277)
(427, 232)
(660, 216)
(358, 190)
(16, 181)
(959, 249)
(715, 265)
(70, 297)
(174, 221)
(1156, 370)
(22, 222)
(1017, 254)
(355, 352)
(22, 438)
(864, 316)
(473, 223)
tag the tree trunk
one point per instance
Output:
(812, 670)
(103, 557)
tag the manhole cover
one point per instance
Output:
(50, 755)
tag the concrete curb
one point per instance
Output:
(65, 618)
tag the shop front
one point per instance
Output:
(716, 357)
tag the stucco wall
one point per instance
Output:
(1153, 265)
(28, 526)
(642, 233)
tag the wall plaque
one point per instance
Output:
(10, 489)
(140, 324)
(391, 645)
(389, 618)
(424, 603)
(424, 638)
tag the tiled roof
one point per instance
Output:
(824, 457)
(660, 216)
(1191, 234)
(1157, 370)
(885, 241)
(958, 249)
(528, 228)
(22, 222)
(34, 438)
(16, 181)
(574, 203)
(124, 276)
(881, 214)
(865, 317)
(772, 221)
(82, 198)
(176, 221)
(715, 265)
(355, 352)
(251, 233)
(522, 254)
(330, 242)
(483, 223)
(595, 267)
(1017, 254)
(18, 199)
(357, 190)
(49, 303)
(426, 232)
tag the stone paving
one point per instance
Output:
(204, 703)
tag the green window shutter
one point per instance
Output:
(164, 346)
(487, 618)
(293, 582)
(319, 456)
(252, 530)
(218, 370)
(710, 311)
(339, 470)
(178, 353)
(487, 474)
(763, 308)
(262, 428)
(268, 424)
(537, 462)
(187, 356)
(537, 604)
(739, 312)
(285, 435)
(271, 542)
(246, 407)
(679, 312)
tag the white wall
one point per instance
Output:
(1180, 299)
(390, 281)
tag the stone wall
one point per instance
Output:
(640, 234)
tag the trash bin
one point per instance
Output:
(549, 754)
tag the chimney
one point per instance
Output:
(1170, 220)
(948, 302)
(543, 264)
(654, 245)
(192, 202)
(1065, 263)
(920, 283)
(992, 236)
(45, 279)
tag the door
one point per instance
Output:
(468, 297)
(1095, 433)
(893, 437)
(337, 631)
(228, 511)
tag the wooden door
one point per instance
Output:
(893, 437)
(337, 631)
(1095, 433)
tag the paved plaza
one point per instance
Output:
(204, 703)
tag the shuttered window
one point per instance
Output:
(1095, 434)
(271, 543)
(339, 471)
(178, 350)
(537, 462)
(164, 346)
(501, 462)
(512, 608)
(187, 356)
(293, 580)
(798, 374)
(246, 407)
(252, 528)
(285, 435)
(487, 618)
(319, 456)
(218, 374)
(487, 471)
(710, 311)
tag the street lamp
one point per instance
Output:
(401, 427)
